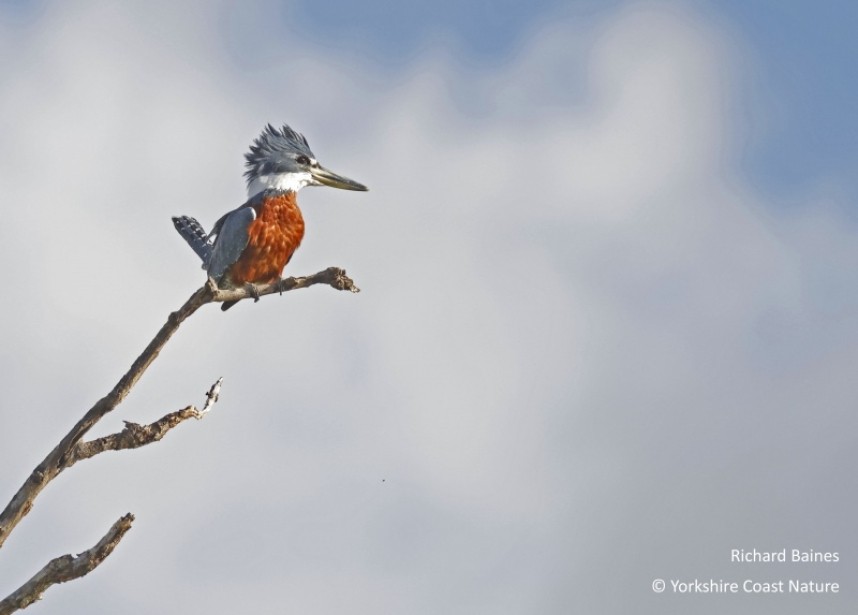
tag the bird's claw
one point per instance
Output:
(253, 291)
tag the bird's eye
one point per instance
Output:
(302, 159)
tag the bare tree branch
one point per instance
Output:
(332, 276)
(135, 436)
(66, 568)
(62, 456)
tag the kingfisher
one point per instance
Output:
(252, 244)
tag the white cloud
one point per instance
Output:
(569, 346)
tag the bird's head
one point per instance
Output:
(282, 160)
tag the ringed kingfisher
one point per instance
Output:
(252, 244)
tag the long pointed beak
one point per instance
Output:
(329, 178)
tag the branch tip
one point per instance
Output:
(212, 395)
(66, 568)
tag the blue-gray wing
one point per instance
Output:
(230, 240)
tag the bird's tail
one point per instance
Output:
(193, 232)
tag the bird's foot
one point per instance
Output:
(253, 291)
(212, 284)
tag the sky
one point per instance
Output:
(607, 325)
